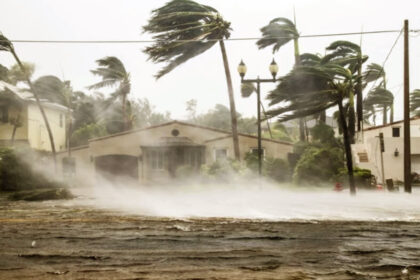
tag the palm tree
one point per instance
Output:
(113, 73)
(277, 33)
(373, 73)
(308, 90)
(348, 54)
(184, 29)
(415, 102)
(382, 98)
(6, 45)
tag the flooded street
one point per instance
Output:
(74, 240)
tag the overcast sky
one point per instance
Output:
(201, 78)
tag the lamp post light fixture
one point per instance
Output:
(273, 68)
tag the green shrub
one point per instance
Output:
(16, 174)
(363, 178)
(318, 165)
(274, 168)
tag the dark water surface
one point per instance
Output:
(87, 243)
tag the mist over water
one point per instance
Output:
(252, 200)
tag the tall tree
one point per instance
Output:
(113, 74)
(308, 90)
(277, 33)
(6, 45)
(349, 55)
(183, 29)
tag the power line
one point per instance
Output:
(207, 40)
(386, 59)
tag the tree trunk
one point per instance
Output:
(384, 116)
(323, 117)
(69, 130)
(359, 95)
(391, 117)
(38, 102)
(15, 126)
(347, 148)
(297, 62)
(351, 116)
(231, 102)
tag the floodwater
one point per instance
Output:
(91, 238)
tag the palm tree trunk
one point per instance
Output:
(384, 116)
(15, 126)
(231, 102)
(38, 102)
(69, 130)
(347, 147)
(323, 117)
(351, 116)
(359, 95)
(297, 62)
(391, 120)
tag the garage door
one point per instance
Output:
(114, 166)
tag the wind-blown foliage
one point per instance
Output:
(183, 29)
(113, 74)
(415, 102)
(6, 45)
(382, 98)
(307, 90)
(277, 33)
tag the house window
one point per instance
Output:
(4, 114)
(395, 132)
(221, 154)
(61, 120)
(254, 151)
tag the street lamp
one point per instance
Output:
(273, 68)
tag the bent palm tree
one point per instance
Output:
(382, 98)
(277, 33)
(6, 45)
(184, 29)
(113, 74)
(308, 90)
(348, 54)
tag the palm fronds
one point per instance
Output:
(183, 29)
(277, 33)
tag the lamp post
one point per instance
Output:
(242, 71)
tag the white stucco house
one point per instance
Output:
(16, 103)
(155, 153)
(367, 152)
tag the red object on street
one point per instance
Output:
(338, 187)
(379, 187)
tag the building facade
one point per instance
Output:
(19, 106)
(155, 153)
(390, 163)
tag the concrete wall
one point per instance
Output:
(37, 132)
(393, 165)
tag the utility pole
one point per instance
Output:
(382, 148)
(407, 139)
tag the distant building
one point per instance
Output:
(18, 103)
(154, 153)
(367, 153)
